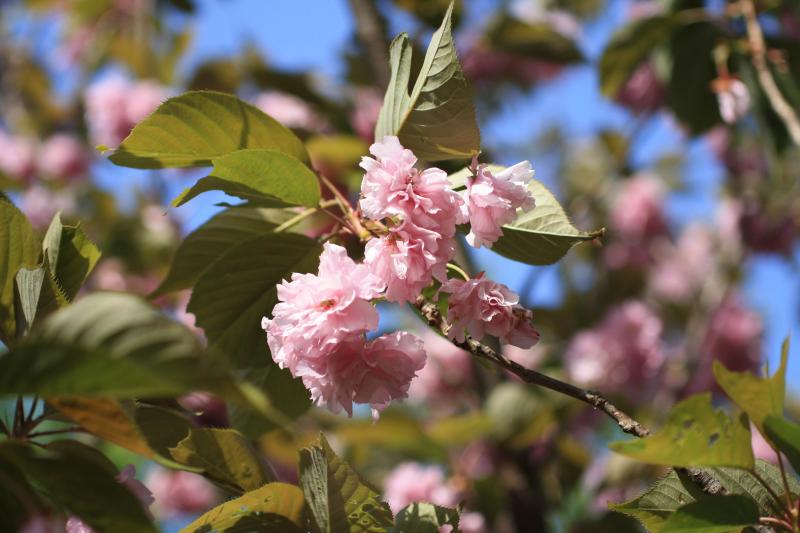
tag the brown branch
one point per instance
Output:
(758, 50)
(430, 312)
(372, 36)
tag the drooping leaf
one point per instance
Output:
(423, 517)
(628, 47)
(737, 481)
(533, 40)
(70, 255)
(437, 120)
(258, 175)
(18, 247)
(163, 428)
(694, 434)
(232, 296)
(194, 128)
(225, 456)
(689, 92)
(337, 497)
(655, 506)
(758, 397)
(273, 508)
(29, 283)
(786, 436)
(201, 248)
(721, 513)
(110, 344)
(78, 478)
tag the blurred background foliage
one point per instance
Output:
(649, 118)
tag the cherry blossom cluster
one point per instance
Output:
(320, 327)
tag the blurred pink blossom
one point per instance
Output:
(414, 482)
(621, 354)
(177, 492)
(42, 524)
(40, 205)
(682, 269)
(642, 92)
(446, 374)
(767, 232)
(637, 212)
(367, 103)
(733, 98)
(17, 156)
(482, 65)
(110, 275)
(76, 525)
(734, 335)
(127, 476)
(208, 410)
(63, 157)
(289, 110)
(761, 448)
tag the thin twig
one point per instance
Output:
(305, 214)
(355, 223)
(758, 51)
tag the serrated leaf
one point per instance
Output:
(661, 500)
(273, 508)
(225, 456)
(437, 120)
(29, 284)
(201, 248)
(737, 481)
(758, 397)
(196, 127)
(721, 513)
(424, 517)
(258, 175)
(694, 434)
(337, 497)
(18, 247)
(70, 255)
(77, 478)
(786, 436)
(232, 296)
(628, 47)
(533, 40)
(110, 344)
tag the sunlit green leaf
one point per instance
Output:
(268, 176)
(694, 434)
(337, 497)
(273, 508)
(758, 397)
(437, 120)
(713, 514)
(225, 456)
(194, 128)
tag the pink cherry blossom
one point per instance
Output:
(40, 205)
(42, 524)
(316, 312)
(407, 258)
(17, 156)
(115, 105)
(62, 157)
(638, 210)
(733, 335)
(761, 448)
(480, 307)
(177, 492)
(683, 268)
(289, 110)
(492, 200)
(733, 98)
(414, 482)
(446, 375)
(367, 103)
(621, 354)
(468, 522)
(76, 525)
(392, 187)
(142, 99)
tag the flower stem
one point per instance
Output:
(305, 214)
(458, 270)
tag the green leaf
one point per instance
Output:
(544, 234)
(737, 481)
(78, 478)
(29, 284)
(533, 40)
(423, 517)
(758, 397)
(339, 500)
(273, 508)
(786, 436)
(70, 255)
(268, 176)
(18, 247)
(225, 456)
(695, 434)
(163, 429)
(437, 121)
(630, 46)
(201, 248)
(394, 431)
(109, 344)
(196, 127)
(654, 507)
(689, 92)
(713, 514)
(232, 296)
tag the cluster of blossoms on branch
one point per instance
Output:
(320, 325)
